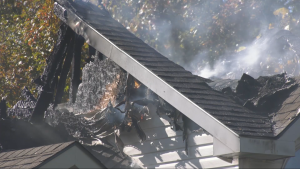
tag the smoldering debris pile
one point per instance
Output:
(101, 81)
(264, 94)
(110, 101)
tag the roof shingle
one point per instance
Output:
(191, 86)
(31, 157)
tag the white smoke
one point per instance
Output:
(255, 59)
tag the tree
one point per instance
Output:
(28, 31)
(190, 32)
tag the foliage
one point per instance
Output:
(28, 31)
(193, 33)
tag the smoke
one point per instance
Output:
(244, 60)
(265, 56)
(214, 38)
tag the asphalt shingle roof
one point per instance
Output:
(25, 138)
(31, 157)
(289, 110)
(239, 119)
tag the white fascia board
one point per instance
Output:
(292, 132)
(267, 146)
(157, 85)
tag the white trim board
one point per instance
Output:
(233, 142)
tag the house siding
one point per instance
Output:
(69, 158)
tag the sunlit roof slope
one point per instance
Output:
(187, 92)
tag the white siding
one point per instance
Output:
(164, 147)
(72, 156)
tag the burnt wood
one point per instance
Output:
(79, 41)
(58, 71)
(46, 93)
(64, 72)
(99, 55)
(92, 52)
(3, 108)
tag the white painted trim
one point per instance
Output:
(157, 85)
(267, 147)
(217, 129)
(220, 148)
(292, 132)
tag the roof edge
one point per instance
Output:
(291, 132)
(88, 153)
(74, 143)
(256, 148)
(56, 154)
(149, 79)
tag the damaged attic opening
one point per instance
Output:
(165, 84)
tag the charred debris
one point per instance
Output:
(105, 101)
(264, 95)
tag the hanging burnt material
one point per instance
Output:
(64, 72)
(108, 122)
(29, 101)
(133, 109)
(23, 108)
(93, 53)
(135, 102)
(112, 119)
(3, 114)
(130, 111)
(47, 79)
(101, 81)
(75, 81)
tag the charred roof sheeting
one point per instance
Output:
(191, 86)
(278, 96)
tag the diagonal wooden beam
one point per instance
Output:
(79, 41)
(46, 93)
(64, 72)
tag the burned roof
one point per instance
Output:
(194, 88)
(289, 109)
(278, 96)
